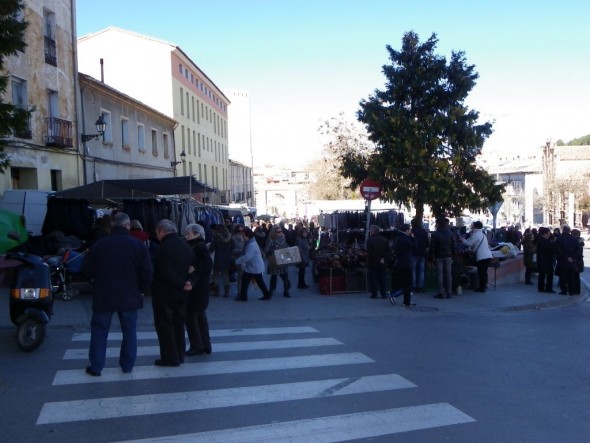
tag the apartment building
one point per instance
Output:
(241, 185)
(138, 141)
(43, 78)
(161, 75)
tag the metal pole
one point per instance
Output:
(368, 220)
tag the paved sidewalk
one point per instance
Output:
(309, 305)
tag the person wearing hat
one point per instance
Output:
(377, 255)
(276, 240)
(197, 325)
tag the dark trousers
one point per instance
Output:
(286, 282)
(197, 329)
(247, 278)
(528, 272)
(169, 320)
(405, 279)
(99, 330)
(301, 277)
(567, 280)
(545, 281)
(376, 277)
(482, 273)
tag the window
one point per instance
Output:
(56, 180)
(198, 115)
(108, 133)
(49, 37)
(188, 139)
(19, 93)
(194, 143)
(125, 133)
(141, 138)
(154, 142)
(165, 145)
(199, 143)
(180, 68)
(181, 101)
(182, 135)
(188, 114)
(52, 104)
(200, 174)
(193, 107)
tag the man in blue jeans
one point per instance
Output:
(442, 244)
(419, 257)
(120, 268)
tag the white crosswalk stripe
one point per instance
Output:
(347, 426)
(332, 429)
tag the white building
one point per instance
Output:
(162, 76)
(138, 141)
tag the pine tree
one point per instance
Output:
(12, 40)
(426, 139)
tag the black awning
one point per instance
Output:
(117, 190)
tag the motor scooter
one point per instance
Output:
(31, 298)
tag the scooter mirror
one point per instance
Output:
(13, 235)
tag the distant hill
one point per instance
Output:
(582, 141)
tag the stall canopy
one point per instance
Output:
(117, 190)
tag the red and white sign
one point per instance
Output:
(370, 189)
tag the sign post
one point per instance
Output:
(370, 190)
(494, 208)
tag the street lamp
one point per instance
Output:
(182, 159)
(101, 127)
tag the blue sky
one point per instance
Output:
(305, 61)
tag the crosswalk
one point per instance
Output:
(231, 359)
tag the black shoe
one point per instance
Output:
(208, 350)
(172, 364)
(409, 305)
(374, 296)
(549, 291)
(449, 295)
(563, 293)
(286, 295)
(89, 371)
(240, 299)
(126, 371)
(528, 283)
(193, 351)
(303, 286)
(438, 296)
(264, 298)
(480, 290)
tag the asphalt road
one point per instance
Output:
(485, 376)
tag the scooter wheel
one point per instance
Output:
(69, 294)
(30, 334)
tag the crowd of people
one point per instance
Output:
(180, 274)
(124, 264)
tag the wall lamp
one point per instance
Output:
(101, 127)
(182, 159)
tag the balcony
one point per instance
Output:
(59, 133)
(50, 51)
(24, 132)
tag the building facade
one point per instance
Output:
(241, 186)
(162, 76)
(138, 141)
(43, 78)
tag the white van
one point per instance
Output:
(30, 203)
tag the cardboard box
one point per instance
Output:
(287, 256)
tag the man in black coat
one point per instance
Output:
(377, 256)
(121, 271)
(169, 293)
(545, 260)
(567, 250)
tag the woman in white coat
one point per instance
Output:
(478, 243)
(252, 266)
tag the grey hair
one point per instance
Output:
(120, 219)
(166, 225)
(196, 228)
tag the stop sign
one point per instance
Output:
(370, 189)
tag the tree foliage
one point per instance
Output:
(581, 141)
(12, 39)
(426, 139)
